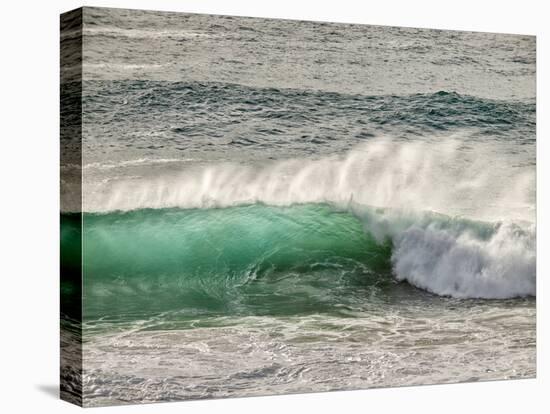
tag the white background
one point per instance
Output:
(29, 204)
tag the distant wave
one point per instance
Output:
(139, 161)
(362, 114)
(113, 31)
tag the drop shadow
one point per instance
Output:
(49, 389)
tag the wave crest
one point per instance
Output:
(451, 177)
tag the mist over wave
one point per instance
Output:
(474, 179)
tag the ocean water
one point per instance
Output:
(276, 206)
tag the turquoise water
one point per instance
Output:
(266, 260)
(239, 261)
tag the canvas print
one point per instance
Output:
(259, 206)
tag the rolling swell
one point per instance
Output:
(217, 120)
(288, 109)
(311, 257)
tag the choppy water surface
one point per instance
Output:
(279, 206)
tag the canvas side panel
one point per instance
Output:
(71, 210)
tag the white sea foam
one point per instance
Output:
(447, 177)
(461, 265)
(455, 257)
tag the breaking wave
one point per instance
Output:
(450, 218)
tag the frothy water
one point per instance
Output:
(399, 343)
(446, 176)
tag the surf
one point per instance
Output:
(317, 257)
(452, 218)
